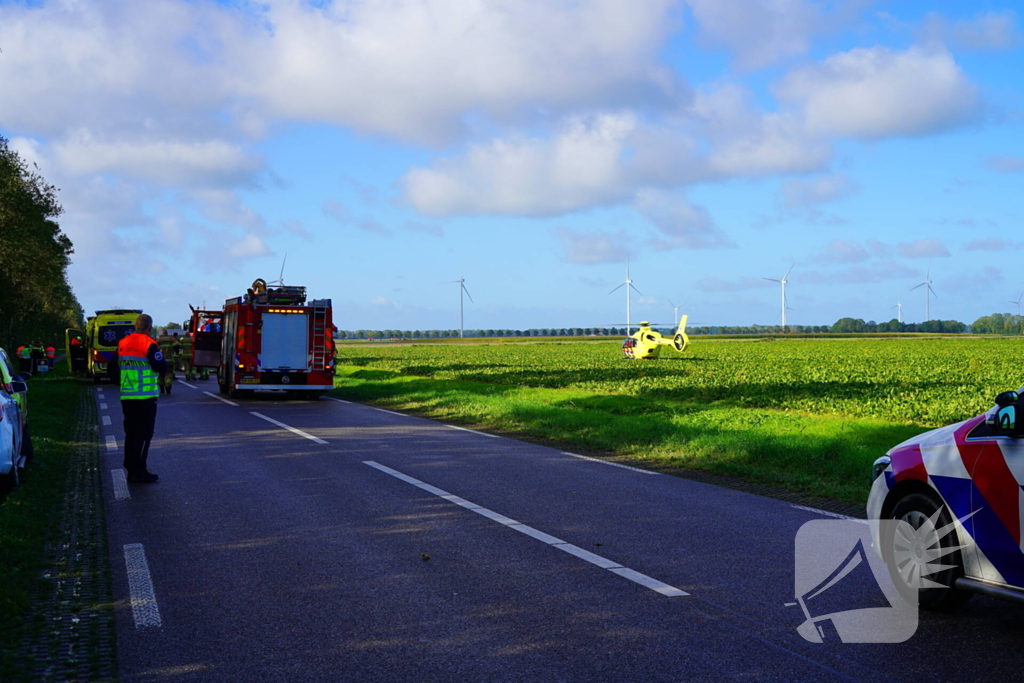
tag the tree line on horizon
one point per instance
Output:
(36, 299)
(997, 323)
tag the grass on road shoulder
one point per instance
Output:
(28, 516)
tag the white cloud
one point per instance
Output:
(332, 208)
(1005, 164)
(988, 31)
(872, 93)
(798, 194)
(843, 251)
(992, 244)
(594, 247)
(683, 225)
(760, 33)
(926, 248)
(413, 68)
(581, 166)
(199, 163)
(757, 32)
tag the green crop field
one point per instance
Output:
(806, 414)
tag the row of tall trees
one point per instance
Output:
(36, 300)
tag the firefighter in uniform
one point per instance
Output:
(137, 367)
(185, 357)
(25, 358)
(167, 343)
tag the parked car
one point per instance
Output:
(15, 444)
(958, 488)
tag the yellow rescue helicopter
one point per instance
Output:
(647, 343)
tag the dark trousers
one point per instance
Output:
(139, 421)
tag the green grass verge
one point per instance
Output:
(29, 515)
(824, 455)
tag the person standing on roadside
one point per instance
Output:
(167, 344)
(136, 367)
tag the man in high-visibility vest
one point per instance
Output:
(167, 344)
(25, 358)
(136, 367)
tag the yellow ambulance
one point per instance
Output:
(102, 333)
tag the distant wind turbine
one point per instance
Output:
(462, 288)
(280, 278)
(1020, 299)
(928, 291)
(899, 310)
(675, 313)
(783, 282)
(628, 284)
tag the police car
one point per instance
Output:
(15, 447)
(959, 491)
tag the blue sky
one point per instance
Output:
(531, 147)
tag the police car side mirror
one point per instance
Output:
(19, 387)
(1008, 423)
(1007, 398)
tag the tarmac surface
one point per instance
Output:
(331, 541)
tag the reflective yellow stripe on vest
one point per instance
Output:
(138, 379)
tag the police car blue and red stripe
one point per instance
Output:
(959, 488)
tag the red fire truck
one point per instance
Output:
(275, 339)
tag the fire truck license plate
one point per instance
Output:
(248, 380)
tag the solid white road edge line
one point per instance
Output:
(390, 411)
(120, 484)
(111, 444)
(190, 386)
(826, 513)
(282, 425)
(106, 420)
(606, 462)
(602, 562)
(328, 398)
(473, 431)
(219, 398)
(140, 587)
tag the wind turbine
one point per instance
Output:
(675, 313)
(783, 282)
(280, 278)
(899, 310)
(928, 291)
(1020, 299)
(462, 288)
(628, 284)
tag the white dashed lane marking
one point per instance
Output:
(219, 398)
(140, 587)
(120, 484)
(106, 420)
(291, 429)
(111, 444)
(190, 386)
(596, 560)
(103, 406)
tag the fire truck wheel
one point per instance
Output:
(223, 387)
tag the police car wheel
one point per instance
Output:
(910, 550)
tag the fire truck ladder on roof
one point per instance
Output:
(320, 338)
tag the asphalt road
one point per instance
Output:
(373, 546)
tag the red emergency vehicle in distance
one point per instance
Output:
(207, 330)
(274, 339)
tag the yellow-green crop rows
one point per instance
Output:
(805, 414)
(927, 382)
